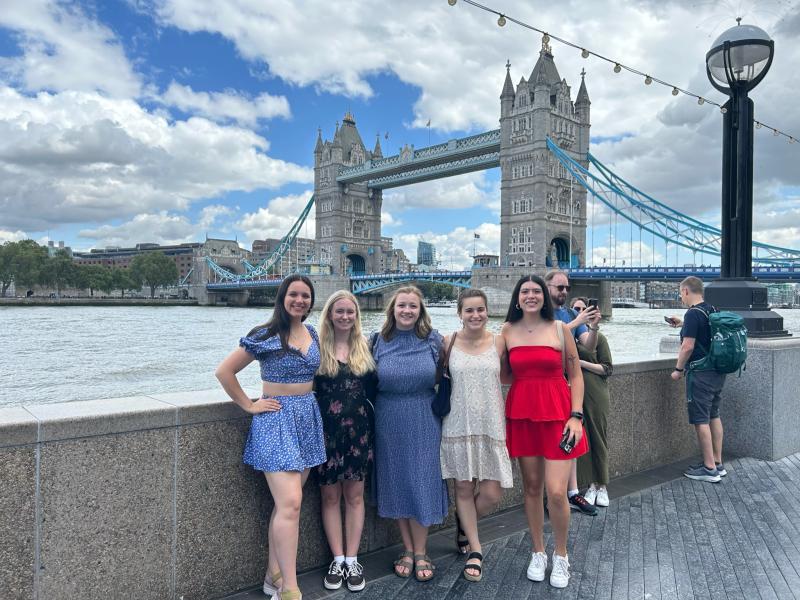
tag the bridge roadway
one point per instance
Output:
(361, 284)
(663, 537)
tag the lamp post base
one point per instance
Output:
(748, 298)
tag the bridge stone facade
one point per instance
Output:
(348, 216)
(537, 198)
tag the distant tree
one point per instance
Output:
(94, 277)
(435, 291)
(20, 263)
(59, 271)
(154, 269)
(121, 280)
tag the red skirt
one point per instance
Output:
(540, 438)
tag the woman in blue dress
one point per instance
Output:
(286, 437)
(407, 434)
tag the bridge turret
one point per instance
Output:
(377, 152)
(582, 110)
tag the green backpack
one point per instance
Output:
(728, 350)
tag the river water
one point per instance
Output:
(67, 353)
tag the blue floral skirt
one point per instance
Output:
(290, 439)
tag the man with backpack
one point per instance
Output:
(703, 385)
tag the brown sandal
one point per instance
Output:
(405, 560)
(422, 562)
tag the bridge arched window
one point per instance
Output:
(358, 229)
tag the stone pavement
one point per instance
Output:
(675, 539)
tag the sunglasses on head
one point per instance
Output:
(560, 288)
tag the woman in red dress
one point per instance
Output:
(541, 409)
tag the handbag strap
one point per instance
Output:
(560, 331)
(446, 365)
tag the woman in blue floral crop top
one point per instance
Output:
(286, 437)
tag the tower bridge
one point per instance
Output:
(547, 176)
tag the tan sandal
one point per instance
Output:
(294, 594)
(272, 583)
(405, 560)
(422, 562)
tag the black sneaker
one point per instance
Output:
(579, 503)
(355, 577)
(336, 573)
(702, 473)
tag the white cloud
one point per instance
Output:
(211, 214)
(79, 157)
(64, 49)
(277, 218)
(160, 228)
(454, 248)
(12, 236)
(388, 220)
(461, 191)
(227, 106)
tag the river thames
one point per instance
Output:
(60, 354)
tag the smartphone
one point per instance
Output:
(592, 303)
(567, 442)
(669, 320)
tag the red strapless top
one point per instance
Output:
(539, 391)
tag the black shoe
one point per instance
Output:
(336, 573)
(355, 577)
(578, 502)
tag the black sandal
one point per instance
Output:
(474, 567)
(461, 544)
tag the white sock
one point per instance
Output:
(571, 493)
(339, 559)
(349, 560)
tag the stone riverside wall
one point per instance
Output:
(148, 495)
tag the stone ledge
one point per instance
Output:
(204, 406)
(17, 427)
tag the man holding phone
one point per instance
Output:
(584, 326)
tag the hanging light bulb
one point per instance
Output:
(545, 39)
(723, 110)
(791, 140)
(701, 101)
(501, 21)
(774, 132)
(648, 80)
(758, 125)
(674, 91)
(584, 53)
(617, 68)
(452, 2)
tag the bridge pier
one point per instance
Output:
(371, 301)
(326, 285)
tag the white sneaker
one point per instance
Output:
(591, 494)
(537, 566)
(559, 576)
(602, 497)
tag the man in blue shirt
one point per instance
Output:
(703, 389)
(584, 327)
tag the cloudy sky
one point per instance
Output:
(169, 120)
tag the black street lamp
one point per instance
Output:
(738, 60)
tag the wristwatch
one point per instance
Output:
(577, 415)
(679, 370)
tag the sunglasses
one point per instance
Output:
(578, 308)
(560, 288)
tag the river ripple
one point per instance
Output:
(66, 353)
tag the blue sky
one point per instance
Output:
(166, 120)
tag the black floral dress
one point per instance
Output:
(347, 421)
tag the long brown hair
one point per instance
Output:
(422, 328)
(280, 323)
(359, 357)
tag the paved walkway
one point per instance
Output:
(677, 539)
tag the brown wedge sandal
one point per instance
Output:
(422, 562)
(405, 560)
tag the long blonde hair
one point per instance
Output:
(359, 358)
(423, 325)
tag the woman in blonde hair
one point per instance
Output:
(407, 433)
(344, 385)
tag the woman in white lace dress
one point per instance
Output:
(473, 451)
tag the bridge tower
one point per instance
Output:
(537, 200)
(348, 216)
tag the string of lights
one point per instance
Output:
(619, 66)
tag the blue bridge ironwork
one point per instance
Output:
(361, 284)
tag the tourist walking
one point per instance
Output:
(584, 327)
(703, 388)
(409, 480)
(543, 417)
(286, 437)
(596, 367)
(345, 386)
(473, 451)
